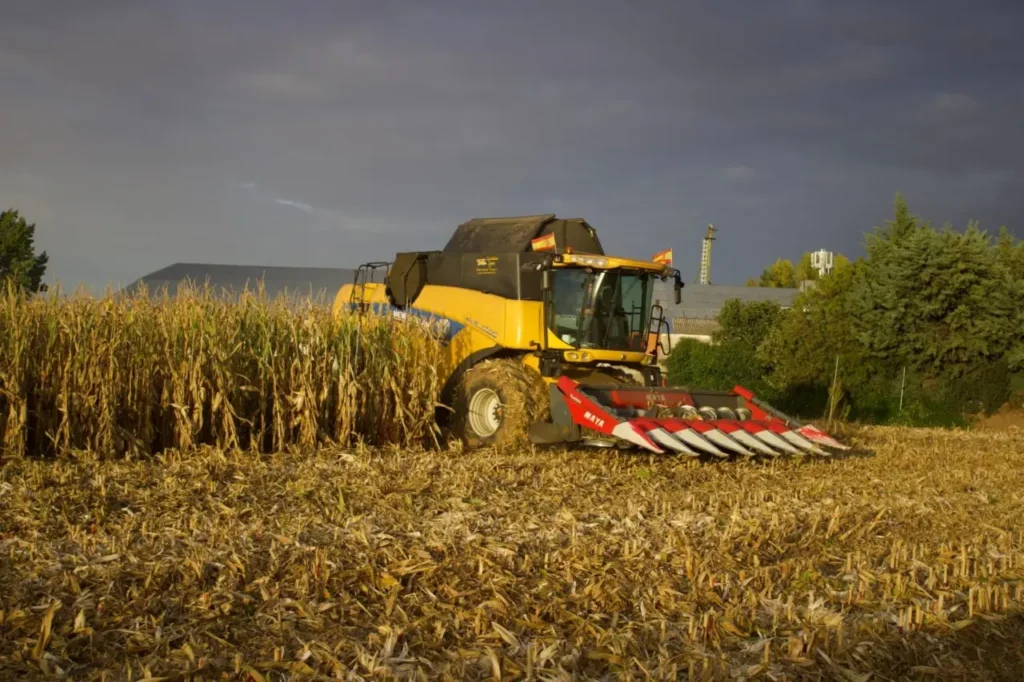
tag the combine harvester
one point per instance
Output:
(548, 337)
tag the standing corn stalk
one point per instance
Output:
(138, 374)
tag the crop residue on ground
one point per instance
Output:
(518, 565)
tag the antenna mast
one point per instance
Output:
(822, 261)
(705, 256)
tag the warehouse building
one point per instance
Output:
(694, 317)
(319, 284)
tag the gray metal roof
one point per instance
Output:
(706, 301)
(232, 280)
(701, 302)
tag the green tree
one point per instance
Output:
(717, 366)
(802, 347)
(1011, 252)
(19, 262)
(749, 323)
(731, 358)
(938, 302)
(938, 307)
(803, 271)
(783, 274)
(779, 275)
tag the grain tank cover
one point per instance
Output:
(514, 234)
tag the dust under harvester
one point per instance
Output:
(549, 338)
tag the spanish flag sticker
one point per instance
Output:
(545, 243)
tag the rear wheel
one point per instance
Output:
(496, 401)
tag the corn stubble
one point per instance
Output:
(142, 374)
(384, 563)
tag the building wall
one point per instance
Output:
(695, 315)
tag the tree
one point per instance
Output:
(717, 366)
(803, 270)
(19, 262)
(779, 275)
(939, 309)
(1011, 252)
(748, 323)
(1011, 256)
(943, 306)
(802, 346)
(936, 301)
(732, 357)
(783, 274)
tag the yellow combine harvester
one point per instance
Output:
(548, 336)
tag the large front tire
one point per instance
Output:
(495, 403)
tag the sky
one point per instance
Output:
(329, 133)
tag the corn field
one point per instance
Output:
(352, 552)
(141, 374)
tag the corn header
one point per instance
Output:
(550, 339)
(694, 423)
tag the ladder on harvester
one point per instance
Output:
(364, 276)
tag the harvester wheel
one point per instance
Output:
(496, 401)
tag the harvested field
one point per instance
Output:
(389, 564)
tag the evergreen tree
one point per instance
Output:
(942, 306)
(1011, 252)
(938, 302)
(1011, 256)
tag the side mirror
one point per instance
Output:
(678, 289)
(545, 280)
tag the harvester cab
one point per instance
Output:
(550, 339)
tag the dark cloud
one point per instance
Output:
(330, 133)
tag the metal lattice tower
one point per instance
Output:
(705, 256)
